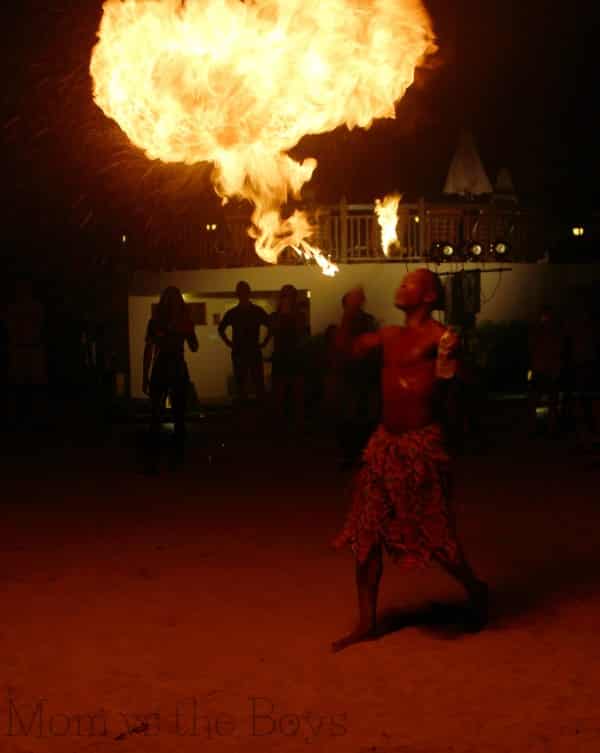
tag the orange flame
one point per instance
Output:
(386, 210)
(239, 84)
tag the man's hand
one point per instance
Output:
(449, 343)
(446, 365)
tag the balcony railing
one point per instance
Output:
(350, 233)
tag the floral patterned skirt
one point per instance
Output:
(401, 499)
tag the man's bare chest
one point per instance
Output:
(406, 349)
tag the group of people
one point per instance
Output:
(251, 331)
(347, 392)
(246, 329)
(400, 498)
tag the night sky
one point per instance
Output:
(513, 72)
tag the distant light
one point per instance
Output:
(124, 239)
(416, 218)
(441, 251)
(500, 248)
(308, 294)
(474, 250)
(214, 227)
(578, 231)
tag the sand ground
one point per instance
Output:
(195, 611)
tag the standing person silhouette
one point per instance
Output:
(400, 499)
(165, 372)
(290, 328)
(358, 393)
(245, 321)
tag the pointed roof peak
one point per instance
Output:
(466, 175)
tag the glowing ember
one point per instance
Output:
(386, 210)
(239, 84)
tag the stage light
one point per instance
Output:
(578, 231)
(473, 250)
(441, 251)
(500, 249)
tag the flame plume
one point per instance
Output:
(386, 210)
(239, 84)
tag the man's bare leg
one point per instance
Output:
(477, 590)
(368, 576)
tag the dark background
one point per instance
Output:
(512, 72)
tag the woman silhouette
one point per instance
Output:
(165, 371)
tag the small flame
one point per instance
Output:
(386, 210)
(239, 84)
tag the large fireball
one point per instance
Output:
(239, 84)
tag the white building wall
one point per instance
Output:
(516, 293)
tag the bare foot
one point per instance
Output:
(360, 635)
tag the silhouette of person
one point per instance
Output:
(546, 349)
(319, 357)
(400, 498)
(358, 393)
(245, 321)
(290, 328)
(165, 372)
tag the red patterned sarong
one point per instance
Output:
(400, 498)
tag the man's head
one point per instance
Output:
(242, 290)
(288, 298)
(422, 287)
(346, 298)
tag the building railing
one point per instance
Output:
(350, 233)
